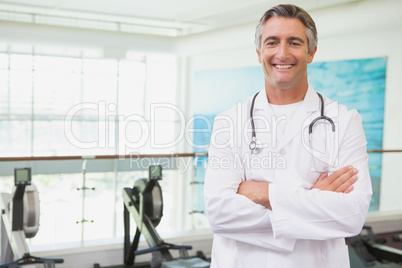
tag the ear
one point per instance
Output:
(259, 55)
(311, 55)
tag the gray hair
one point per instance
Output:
(289, 11)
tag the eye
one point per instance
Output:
(295, 44)
(271, 43)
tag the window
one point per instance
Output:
(75, 106)
(70, 105)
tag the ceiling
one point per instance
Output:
(159, 17)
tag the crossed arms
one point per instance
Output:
(341, 181)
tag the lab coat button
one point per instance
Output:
(282, 152)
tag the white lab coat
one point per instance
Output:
(306, 228)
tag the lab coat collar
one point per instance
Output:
(311, 101)
(261, 102)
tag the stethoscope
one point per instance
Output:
(255, 145)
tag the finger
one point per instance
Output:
(342, 179)
(349, 189)
(334, 176)
(345, 186)
(330, 179)
(342, 182)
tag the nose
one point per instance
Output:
(283, 52)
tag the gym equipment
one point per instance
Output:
(145, 203)
(20, 220)
(372, 251)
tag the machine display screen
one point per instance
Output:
(22, 176)
(155, 171)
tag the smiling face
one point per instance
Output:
(284, 57)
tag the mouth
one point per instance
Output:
(283, 66)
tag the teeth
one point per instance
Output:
(283, 66)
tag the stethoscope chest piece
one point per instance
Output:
(255, 145)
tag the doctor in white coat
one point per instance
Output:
(292, 202)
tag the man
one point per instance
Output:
(286, 204)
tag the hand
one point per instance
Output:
(256, 191)
(341, 181)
